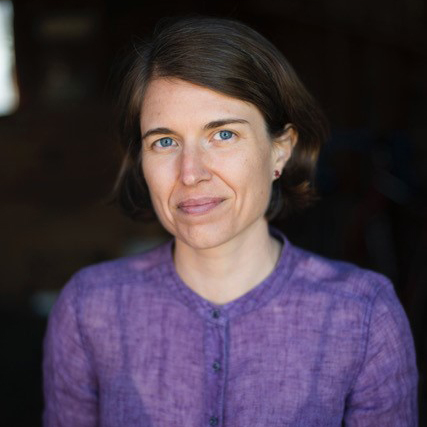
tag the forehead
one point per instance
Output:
(171, 100)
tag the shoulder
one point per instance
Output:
(107, 280)
(347, 292)
(94, 298)
(127, 269)
(314, 273)
(358, 302)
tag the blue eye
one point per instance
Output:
(164, 142)
(225, 134)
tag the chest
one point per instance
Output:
(285, 365)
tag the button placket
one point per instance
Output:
(215, 363)
(216, 313)
(213, 421)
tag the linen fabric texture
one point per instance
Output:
(317, 343)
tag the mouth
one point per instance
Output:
(200, 205)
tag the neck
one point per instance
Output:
(226, 272)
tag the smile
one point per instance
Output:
(199, 206)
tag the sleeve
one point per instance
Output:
(385, 390)
(70, 387)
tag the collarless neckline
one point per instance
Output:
(256, 297)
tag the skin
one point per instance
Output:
(209, 164)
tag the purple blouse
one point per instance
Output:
(317, 343)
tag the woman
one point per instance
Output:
(229, 324)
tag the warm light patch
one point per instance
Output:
(9, 95)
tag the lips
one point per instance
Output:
(200, 205)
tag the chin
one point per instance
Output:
(204, 236)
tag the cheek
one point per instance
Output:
(249, 174)
(258, 166)
(259, 177)
(157, 181)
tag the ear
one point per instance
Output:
(283, 146)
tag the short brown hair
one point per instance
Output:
(229, 57)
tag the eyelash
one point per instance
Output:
(232, 134)
(158, 142)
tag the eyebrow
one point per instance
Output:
(211, 125)
(223, 122)
(156, 131)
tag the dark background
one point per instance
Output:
(364, 60)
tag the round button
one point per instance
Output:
(216, 366)
(215, 314)
(213, 421)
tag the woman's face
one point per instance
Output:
(208, 161)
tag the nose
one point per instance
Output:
(193, 166)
